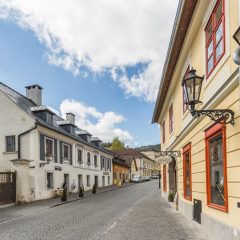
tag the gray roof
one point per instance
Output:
(83, 132)
(41, 108)
(27, 105)
(96, 139)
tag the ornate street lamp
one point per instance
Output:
(192, 86)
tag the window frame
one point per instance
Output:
(88, 181)
(212, 38)
(187, 149)
(210, 133)
(6, 144)
(185, 76)
(170, 115)
(163, 131)
(45, 146)
(68, 146)
(52, 187)
(79, 153)
(164, 178)
(88, 158)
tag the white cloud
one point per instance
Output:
(102, 125)
(101, 35)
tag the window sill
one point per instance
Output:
(15, 152)
(216, 69)
(218, 207)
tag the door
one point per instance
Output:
(103, 181)
(66, 180)
(96, 181)
(80, 183)
(7, 187)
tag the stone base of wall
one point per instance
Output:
(219, 230)
(186, 209)
(164, 195)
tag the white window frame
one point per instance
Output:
(68, 146)
(14, 148)
(49, 188)
(45, 146)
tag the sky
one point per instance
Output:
(99, 59)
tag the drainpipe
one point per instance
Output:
(19, 139)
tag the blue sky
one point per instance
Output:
(112, 92)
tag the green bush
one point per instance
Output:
(170, 197)
(81, 192)
(94, 190)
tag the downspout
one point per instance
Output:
(19, 139)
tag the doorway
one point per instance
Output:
(103, 181)
(96, 181)
(66, 180)
(80, 182)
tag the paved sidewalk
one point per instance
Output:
(154, 219)
(35, 207)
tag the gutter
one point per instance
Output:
(19, 139)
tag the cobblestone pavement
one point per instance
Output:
(134, 212)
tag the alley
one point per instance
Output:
(134, 212)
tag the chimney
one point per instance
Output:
(34, 92)
(70, 117)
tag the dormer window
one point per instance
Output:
(43, 113)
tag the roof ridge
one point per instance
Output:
(17, 92)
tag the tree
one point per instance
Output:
(116, 144)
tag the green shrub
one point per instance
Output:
(170, 197)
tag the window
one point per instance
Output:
(186, 75)
(49, 118)
(171, 119)
(95, 160)
(66, 151)
(108, 180)
(164, 178)
(49, 180)
(214, 34)
(187, 178)
(216, 167)
(163, 132)
(79, 156)
(49, 146)
(10, 144)
(88, 159)
(88, 180)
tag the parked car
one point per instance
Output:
(136, 179)
(147, 178)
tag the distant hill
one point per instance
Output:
(155, 148)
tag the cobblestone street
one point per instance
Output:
(134, 212)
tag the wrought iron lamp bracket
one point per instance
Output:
(225, 116)
(170, 154)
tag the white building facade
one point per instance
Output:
(45, 150)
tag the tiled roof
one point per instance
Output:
(26, 105)
(129, 152)
(122, 162)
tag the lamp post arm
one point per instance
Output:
(219, 115)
